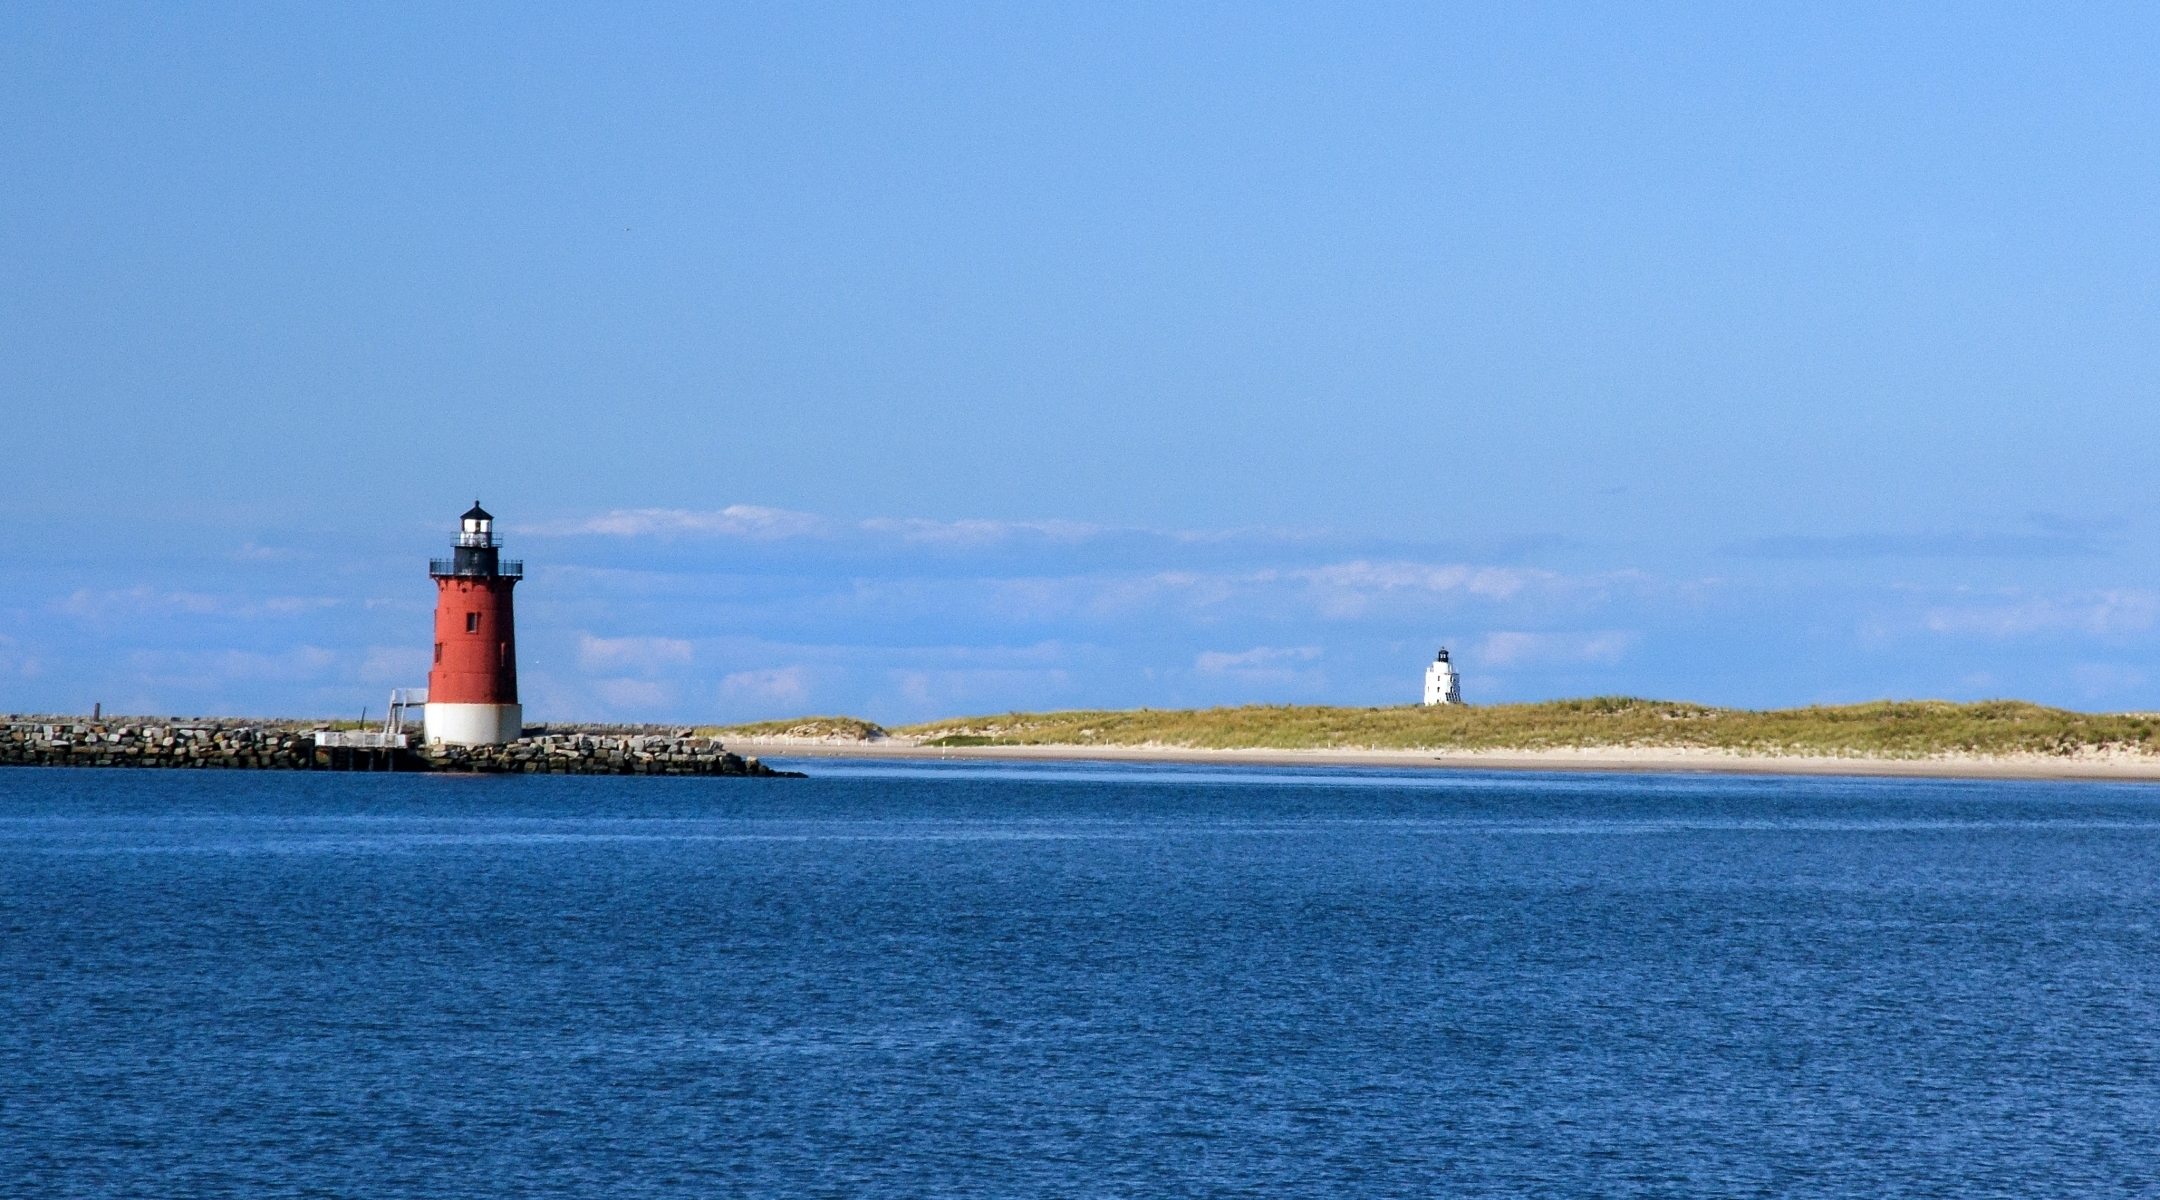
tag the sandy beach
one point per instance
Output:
(2098, 767)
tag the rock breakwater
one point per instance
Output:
(198, 744)
(219, 745)
(589, 754)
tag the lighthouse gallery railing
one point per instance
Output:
(514, 568)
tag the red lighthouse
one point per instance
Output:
(472, 689)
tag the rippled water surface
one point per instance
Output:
(962, 980)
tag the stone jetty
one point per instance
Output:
(595, 754)
(222, 745)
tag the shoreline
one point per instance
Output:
(1677, 761)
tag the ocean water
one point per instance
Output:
(972, 980)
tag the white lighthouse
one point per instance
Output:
(1442, 684)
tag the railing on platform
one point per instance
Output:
(358, 740)
(402, 702)
(511, 568)
(392, 735)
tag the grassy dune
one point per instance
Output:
(834, 728)
(1888, 729)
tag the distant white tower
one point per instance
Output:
(1442, 684)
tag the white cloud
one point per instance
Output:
(287, 606)
(143, 601)
(1032, 599)
(936, 693)
(1340, 591)
(1363, 578)
(756, 521)
(634, 694)
(736, 520)
(397, 666)
(2103, 614)
(1511, 649)
(136, 601)
(646, 655)
(2098, 680)
(783, 685)
(1117, 595)
(15, 661)
(210, 668)
(977, 532)
(1259, 658)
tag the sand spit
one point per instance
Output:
(2102, 765)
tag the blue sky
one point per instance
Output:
(917, 360)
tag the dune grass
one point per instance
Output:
(848, 729)
(1883, 729)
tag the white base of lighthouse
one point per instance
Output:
(474, 724)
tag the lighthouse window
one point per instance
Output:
(438, 652)
(472, 622)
